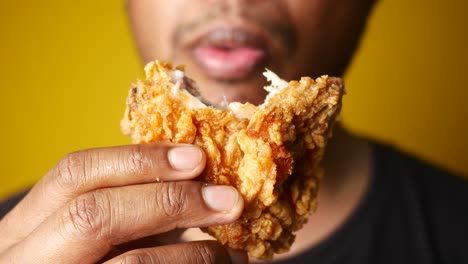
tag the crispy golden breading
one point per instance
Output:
(271, 153)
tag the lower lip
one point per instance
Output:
(229, 64)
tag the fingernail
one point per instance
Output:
(237, 256)
(184, 158)
(220, 198)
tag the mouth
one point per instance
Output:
(230, 54)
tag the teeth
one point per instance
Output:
(239, 37)
(219, 35)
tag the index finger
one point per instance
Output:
(92, 169)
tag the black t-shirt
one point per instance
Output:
(412, 213)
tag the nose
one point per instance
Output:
(236, 6)
(248, 1)
(237, 2)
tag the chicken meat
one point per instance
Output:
(270, 153)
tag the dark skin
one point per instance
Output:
(105, 204)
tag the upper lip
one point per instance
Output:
(228, 36)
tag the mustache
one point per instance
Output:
(277, 25)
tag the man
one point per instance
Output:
(376, 205)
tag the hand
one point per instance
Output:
(94, 201)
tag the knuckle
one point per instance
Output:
(72, 170)
(205, 254)
(137, 257)
(208, 252)
(88, 216)
(138, 160)
(172, 199)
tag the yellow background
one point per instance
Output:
(66, 66)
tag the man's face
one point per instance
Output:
(227, 44)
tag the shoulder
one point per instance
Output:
(438, 197)
(430, 181)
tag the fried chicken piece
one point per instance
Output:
(271, 153)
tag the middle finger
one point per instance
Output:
(97, 221)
